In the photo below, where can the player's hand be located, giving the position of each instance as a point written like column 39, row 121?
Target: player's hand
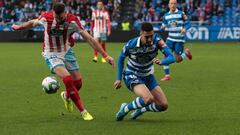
column 157, row 61
column 117, row 84
column 17, row 27
column 183, row 31
column 91, row 33
column 111, row 61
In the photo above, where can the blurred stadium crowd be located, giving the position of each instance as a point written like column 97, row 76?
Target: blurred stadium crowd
column 202, row 12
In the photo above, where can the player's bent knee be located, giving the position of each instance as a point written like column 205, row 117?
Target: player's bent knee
column 164, row 106
column 148, row 99
column 78, row 84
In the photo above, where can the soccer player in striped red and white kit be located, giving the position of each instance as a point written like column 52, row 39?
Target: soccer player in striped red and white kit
column 100, row 27
column 59, row 56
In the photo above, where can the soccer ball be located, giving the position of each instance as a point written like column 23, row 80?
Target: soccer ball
column 50, row 85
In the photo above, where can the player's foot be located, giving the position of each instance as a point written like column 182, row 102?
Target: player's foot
column 166, row 78
column 67, row 102
column 86, row 115
column 103, row 60
column 188, row 54
column 120, row 114
column 95, row 59
column 136, row 114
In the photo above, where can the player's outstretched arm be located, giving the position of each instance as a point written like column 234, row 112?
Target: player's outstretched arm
column 26, row 25
column 95, row 45
column 117, row 83
column 187, row 24
column 169, row 58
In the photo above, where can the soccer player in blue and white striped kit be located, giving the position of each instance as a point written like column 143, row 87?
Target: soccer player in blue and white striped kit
column 176, row 23
column 138, row 75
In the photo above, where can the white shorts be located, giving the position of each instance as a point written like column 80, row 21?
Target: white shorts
column 69, row 61
column 100, row 35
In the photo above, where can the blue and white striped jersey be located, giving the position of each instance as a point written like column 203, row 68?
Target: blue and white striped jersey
column 140, row 56
column 173, row 23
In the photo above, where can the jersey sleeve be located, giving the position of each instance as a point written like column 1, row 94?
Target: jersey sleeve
column 123, row 54
column 169, row 58
column 78, row 25
column 42, row 19
column 93, row 15
column 125, row 50
column 156, row 38
column 164, row 22
column 187, row 23
column 108, row 21
column 92, row 21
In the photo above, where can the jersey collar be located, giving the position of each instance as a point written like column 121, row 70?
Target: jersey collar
column 138, row 41
column 174, row 12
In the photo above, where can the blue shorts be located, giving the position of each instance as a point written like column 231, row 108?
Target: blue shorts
column 69, row 61
column 176, row 47
column 131, row 79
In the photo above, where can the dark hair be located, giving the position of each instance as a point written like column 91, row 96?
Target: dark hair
column 59, row 8
column 146, row 26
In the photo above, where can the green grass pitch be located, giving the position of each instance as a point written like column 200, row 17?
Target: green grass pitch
column 203, row 95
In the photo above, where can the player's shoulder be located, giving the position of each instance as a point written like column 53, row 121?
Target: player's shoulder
column 71, row 17
column 180, row 12
column 157, row 37
column 167, row 13
column 105, row 11
column 132, row 42
column 47, row 15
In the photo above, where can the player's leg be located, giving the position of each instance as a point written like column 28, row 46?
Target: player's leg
column 160, row 100
column 103, row 38
column 57, row 66
column 135, row 84
column 160, row 103
column 96, row 36
column 103, row 43
column 73, row 68
column 78, row 82
column 166, row 69
column 71, row 91
column 143, row 99
column 180, row 54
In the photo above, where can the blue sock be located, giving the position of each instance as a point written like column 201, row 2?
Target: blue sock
column 152, row 108
column 135, row 104
column 166, row 69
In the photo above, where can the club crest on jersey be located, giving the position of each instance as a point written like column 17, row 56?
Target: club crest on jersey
column 173, row 23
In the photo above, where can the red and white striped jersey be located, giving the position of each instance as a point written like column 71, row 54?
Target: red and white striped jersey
column 100, row 21
column 58, row 35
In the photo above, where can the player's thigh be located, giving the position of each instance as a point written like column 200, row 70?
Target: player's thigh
column 61, row 71
column 57, row 65
column 72, row 65
column 170, row 44
column 151, row 82
column 142, row 91
column 179, row 47
column 136, row 85
column 159, row 96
